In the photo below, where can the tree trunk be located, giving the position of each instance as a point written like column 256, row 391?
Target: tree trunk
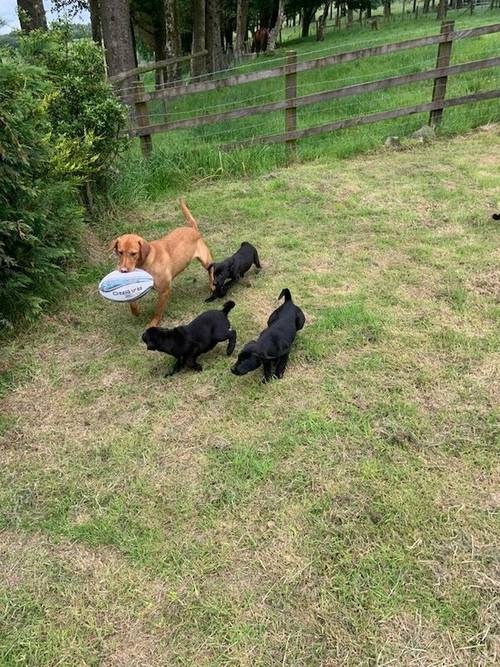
column 213, row 36
column 274, row 32
column 425, row 8
column 369, row 11
column 31, row 15
column 95, row 21
column 173, row 40
column 350, row 17
column 387, row 9
column 265, row 15
column 322, row 21
column 227, row 33
column 241, row 26
column 117, row 34
column 160, row 46
column 307, row 17
column 118, row 42
column 442, row 9
column 198, row 43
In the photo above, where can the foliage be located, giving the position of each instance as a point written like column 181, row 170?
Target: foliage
column 40, row 219
column 86, row 117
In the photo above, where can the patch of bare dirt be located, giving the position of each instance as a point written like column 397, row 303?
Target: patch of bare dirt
column 486, row 283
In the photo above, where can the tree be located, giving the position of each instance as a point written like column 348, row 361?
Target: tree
column 387, row 9
column 213, row 38
column 95, row 21
column 442, row 8
column 275, row 30
column 241, row 26
column 173, row 41
column 198, row 40
column 148, row 19
column 31, row 15
column 118, row 41
column 322, row 21
column 350, row 11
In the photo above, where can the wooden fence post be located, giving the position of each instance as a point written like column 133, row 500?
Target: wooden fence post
column 291, row 111
column 443, row 60
column 142, row 117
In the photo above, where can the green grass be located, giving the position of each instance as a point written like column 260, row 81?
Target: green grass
column 342, row 516
column 194, row 156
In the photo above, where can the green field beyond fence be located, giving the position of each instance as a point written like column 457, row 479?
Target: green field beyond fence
column 191, row 154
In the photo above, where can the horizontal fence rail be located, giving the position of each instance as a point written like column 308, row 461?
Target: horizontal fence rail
column 315, row 98
column 439, row 74
column 365, row 120
column 158, row 64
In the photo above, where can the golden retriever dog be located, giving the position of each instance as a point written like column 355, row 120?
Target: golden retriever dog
column 164, row 258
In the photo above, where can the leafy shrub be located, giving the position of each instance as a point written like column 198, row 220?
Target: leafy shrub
column 59, row 132
column 85, row 116
column 40, row 217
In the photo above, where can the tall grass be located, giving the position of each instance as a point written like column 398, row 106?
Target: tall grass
column 196, row 155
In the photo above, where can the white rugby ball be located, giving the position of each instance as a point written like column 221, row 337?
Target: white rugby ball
column 117, row 286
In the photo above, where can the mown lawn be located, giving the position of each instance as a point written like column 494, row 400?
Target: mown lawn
column 342, row 516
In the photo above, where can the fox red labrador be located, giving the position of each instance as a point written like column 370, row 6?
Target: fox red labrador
column 164, row 258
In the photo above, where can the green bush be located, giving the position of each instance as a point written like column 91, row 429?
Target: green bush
column 59, row 132
column 40, row 215
column 85, row 116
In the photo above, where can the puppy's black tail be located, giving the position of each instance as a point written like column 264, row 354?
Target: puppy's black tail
column 229, row 305
column 496, row 216
column 285, row 293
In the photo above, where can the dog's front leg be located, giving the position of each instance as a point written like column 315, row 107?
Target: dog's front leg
column 160, row 307
column 268, row 371
column 231, row 342
column 192, row 363
column 281, row 366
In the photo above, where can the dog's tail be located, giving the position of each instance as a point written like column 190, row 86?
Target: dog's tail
column 496, row 216
column 228, row 306
column 187, row 214
column 285, row 293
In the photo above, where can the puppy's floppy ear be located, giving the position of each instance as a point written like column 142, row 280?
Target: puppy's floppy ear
column 113, row 245
column 144, row 250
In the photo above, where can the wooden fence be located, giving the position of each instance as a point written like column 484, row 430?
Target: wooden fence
column 439, row 74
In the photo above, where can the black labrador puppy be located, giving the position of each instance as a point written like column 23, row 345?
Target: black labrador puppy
column 231, row 269
column 274, row 343
column 187, row 342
